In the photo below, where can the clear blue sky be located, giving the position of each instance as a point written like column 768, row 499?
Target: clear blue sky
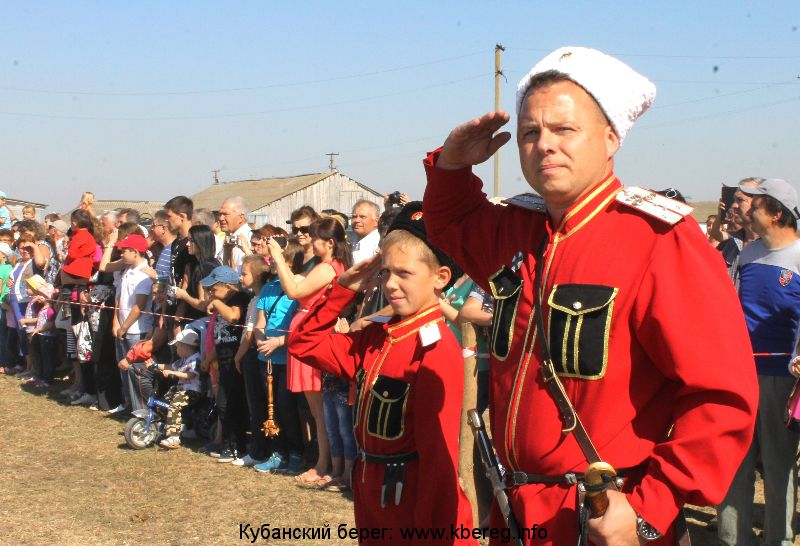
column 141, row 100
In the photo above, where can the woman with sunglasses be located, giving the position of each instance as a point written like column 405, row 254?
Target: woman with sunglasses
column 301, row 220
column 328, row 243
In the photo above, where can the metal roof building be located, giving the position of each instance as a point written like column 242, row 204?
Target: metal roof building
column 272, row 200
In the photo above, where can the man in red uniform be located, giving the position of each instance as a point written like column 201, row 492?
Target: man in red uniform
column 410, row 385
column 627, row 286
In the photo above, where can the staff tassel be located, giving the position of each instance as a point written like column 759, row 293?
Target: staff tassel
column 270, row 428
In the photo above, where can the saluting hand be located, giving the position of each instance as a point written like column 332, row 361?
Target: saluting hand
column 359, row 276
column 474, row 142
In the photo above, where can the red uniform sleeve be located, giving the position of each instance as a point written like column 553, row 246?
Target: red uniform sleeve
column 314, row 342
column 454, row 205
column 710, row 361
column 439, row 390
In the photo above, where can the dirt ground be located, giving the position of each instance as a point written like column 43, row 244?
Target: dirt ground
column 69, row 478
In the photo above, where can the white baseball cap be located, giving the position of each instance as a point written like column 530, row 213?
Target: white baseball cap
column 188, row 336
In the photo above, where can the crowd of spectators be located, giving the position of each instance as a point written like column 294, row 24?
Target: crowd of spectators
column 194, row 306
column 197, row 304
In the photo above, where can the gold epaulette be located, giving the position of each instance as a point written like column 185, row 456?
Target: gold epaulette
column 653, row 204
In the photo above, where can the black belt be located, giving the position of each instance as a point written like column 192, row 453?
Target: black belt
column 517, row 479
column 393, row 474
column 399, row 458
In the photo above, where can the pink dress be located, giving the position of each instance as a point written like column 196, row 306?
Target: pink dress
column 302, row 377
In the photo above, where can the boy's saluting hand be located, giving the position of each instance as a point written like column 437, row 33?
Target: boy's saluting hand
column 359, row 276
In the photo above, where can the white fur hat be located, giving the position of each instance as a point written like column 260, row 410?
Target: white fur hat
column 621, row 92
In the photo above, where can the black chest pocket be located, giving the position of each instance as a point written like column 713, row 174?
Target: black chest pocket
column 579, row 328
column 506, row 289
column 387, row 407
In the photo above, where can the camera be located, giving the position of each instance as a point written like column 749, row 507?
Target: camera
column 280, row 240
column 394, row 199
column 232, row 240
column 170, row 292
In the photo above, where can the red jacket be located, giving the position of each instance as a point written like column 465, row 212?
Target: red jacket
column 410, row 401
column 80, row 257
column 645, row 330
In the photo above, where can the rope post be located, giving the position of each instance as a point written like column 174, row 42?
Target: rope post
column 468, row 473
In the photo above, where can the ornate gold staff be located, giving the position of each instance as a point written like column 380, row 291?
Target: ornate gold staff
column 270, row 428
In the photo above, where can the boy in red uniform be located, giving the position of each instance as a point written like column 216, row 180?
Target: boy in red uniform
column 410, row 384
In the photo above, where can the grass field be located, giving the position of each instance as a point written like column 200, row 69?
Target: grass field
column 69, row 478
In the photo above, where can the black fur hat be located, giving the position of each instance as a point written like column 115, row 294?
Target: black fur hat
column 411, row 220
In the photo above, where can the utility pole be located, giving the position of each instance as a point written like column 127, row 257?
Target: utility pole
column 216, row 175
column 331, row 166
column 498, row 49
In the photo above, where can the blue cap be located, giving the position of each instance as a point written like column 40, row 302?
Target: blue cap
column 221, row 274
column 2, row 195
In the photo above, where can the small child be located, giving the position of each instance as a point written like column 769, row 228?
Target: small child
column 187, row 391
column 36, row 313
column 43, row 334
column 228, row 308
column 6, row 216
column 28, row 212
column 410, row 379
column 252, row 277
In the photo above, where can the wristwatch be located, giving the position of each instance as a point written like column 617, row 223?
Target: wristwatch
column 645, row 530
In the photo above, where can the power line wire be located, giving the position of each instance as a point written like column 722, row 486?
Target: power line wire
column 664, row 56
column 244, row 114
column 344, row 151
column 239, row 89
column 713, row 97
column 718, row 114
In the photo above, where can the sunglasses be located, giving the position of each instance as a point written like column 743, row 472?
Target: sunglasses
column 300, row 229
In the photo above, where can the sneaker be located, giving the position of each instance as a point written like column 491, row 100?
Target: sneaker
column 276, row 463
column 212, row 450
column 246, row 461
column 228, row 455
column 296, row 464
column 76, row 394
column 118, row 409
column 189, row 434
column 24, row 375
column 171, row 442
column 66, row 392
column 85, row 400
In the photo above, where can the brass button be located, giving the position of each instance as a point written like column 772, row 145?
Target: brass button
column 577, row 305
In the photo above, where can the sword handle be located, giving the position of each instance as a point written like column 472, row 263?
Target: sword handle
column 598, row 477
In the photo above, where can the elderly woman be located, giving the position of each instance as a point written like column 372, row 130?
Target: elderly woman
column 45, row 262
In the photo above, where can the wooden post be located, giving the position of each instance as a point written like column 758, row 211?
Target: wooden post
column 498, row 49
column 466, row 447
